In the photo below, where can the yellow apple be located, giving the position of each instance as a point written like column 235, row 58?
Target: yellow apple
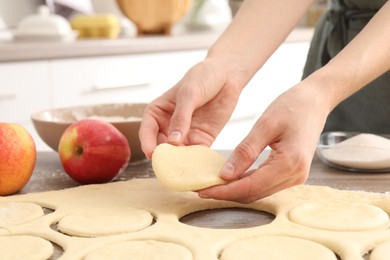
column 93, row 151
column 17, row 158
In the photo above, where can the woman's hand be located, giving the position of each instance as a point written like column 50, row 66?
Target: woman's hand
column 290, row 126
column 195, row 110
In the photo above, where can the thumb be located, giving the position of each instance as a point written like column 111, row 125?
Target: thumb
column 245, row 154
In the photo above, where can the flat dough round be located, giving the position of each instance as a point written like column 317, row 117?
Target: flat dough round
column 381, row 252
column 187, row 168
column 339, row 216
column 276, row 248
column 25, row 247
column 145, row 250
column 105, row 221
column 13, row 213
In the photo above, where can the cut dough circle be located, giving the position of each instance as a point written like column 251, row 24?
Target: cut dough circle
column 105, row 221
column 145, row 250
column 276, row 248
column 381, row 252
column 187, row 168
column 339, row 216
column 13, row 213
column 20, row 247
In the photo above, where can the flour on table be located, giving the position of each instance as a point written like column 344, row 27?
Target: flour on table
column 306, row 223
column 362, row 151
column 187, row 168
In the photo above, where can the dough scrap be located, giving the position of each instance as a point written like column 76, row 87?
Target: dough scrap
column 105, row 221
column 187, row 168
column 145, row 250
column 168, row 207
column 381, row 252
column 25, row 247
column 339, row 216
column 13, row 213
column 276, row 248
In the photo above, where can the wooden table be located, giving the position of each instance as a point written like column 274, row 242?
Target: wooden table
column 49, row 175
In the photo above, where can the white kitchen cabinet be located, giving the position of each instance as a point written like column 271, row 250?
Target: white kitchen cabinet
column 27, row 87
column 24, row 89
column 129, row 78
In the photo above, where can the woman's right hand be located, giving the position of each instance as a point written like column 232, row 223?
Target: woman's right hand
column 196, row 109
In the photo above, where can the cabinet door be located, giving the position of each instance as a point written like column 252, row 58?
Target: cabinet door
column 24, row 89
column 129, row 78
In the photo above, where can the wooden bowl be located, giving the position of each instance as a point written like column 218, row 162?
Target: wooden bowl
column 154, row 16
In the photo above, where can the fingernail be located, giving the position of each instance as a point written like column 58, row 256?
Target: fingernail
column 203, row 195
column 174, row 136
column 227, row 171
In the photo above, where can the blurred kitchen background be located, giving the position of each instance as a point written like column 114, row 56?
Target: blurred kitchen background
column 61, row 53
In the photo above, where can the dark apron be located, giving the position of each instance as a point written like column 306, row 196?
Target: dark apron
column 368, row 110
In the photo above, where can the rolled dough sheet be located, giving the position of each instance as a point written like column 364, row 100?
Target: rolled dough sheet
column 264, row 246
column 187, row 168
column 105, row 221
column 25, row 247
column 166, row 231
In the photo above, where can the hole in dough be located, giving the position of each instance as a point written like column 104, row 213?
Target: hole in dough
column 187, row 168
column 276, row 248
column 13, row 213
column 20, row 247
column 145, row 250
column 47, row 211
column 339, row 216
column 228, row 218
column 105, row 221
column 381, row 252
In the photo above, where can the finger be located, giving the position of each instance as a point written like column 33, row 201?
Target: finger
column 180, row 121
column 245, row 154
column 268, row 179
column 149, row 129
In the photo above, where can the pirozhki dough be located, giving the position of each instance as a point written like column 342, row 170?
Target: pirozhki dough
column 187, row 168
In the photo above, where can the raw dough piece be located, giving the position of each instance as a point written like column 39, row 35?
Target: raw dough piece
column 13, row 213
column 187, row 168
column 339, row 216
column 145, row 250
column 168, row 207
column 381, row 252
column 362, row 151
column 276, row 248
column 25, row 247
column 105, row 221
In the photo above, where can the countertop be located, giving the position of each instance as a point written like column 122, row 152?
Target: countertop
column 49, row 175
column 12, row 51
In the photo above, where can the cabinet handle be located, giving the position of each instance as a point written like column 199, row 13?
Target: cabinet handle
column 111, row 86
column 7, row 96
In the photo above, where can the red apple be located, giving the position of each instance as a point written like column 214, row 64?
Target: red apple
column 17, row 158
column 93, row 151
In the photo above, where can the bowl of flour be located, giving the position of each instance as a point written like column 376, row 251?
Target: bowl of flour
column 358, row 152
